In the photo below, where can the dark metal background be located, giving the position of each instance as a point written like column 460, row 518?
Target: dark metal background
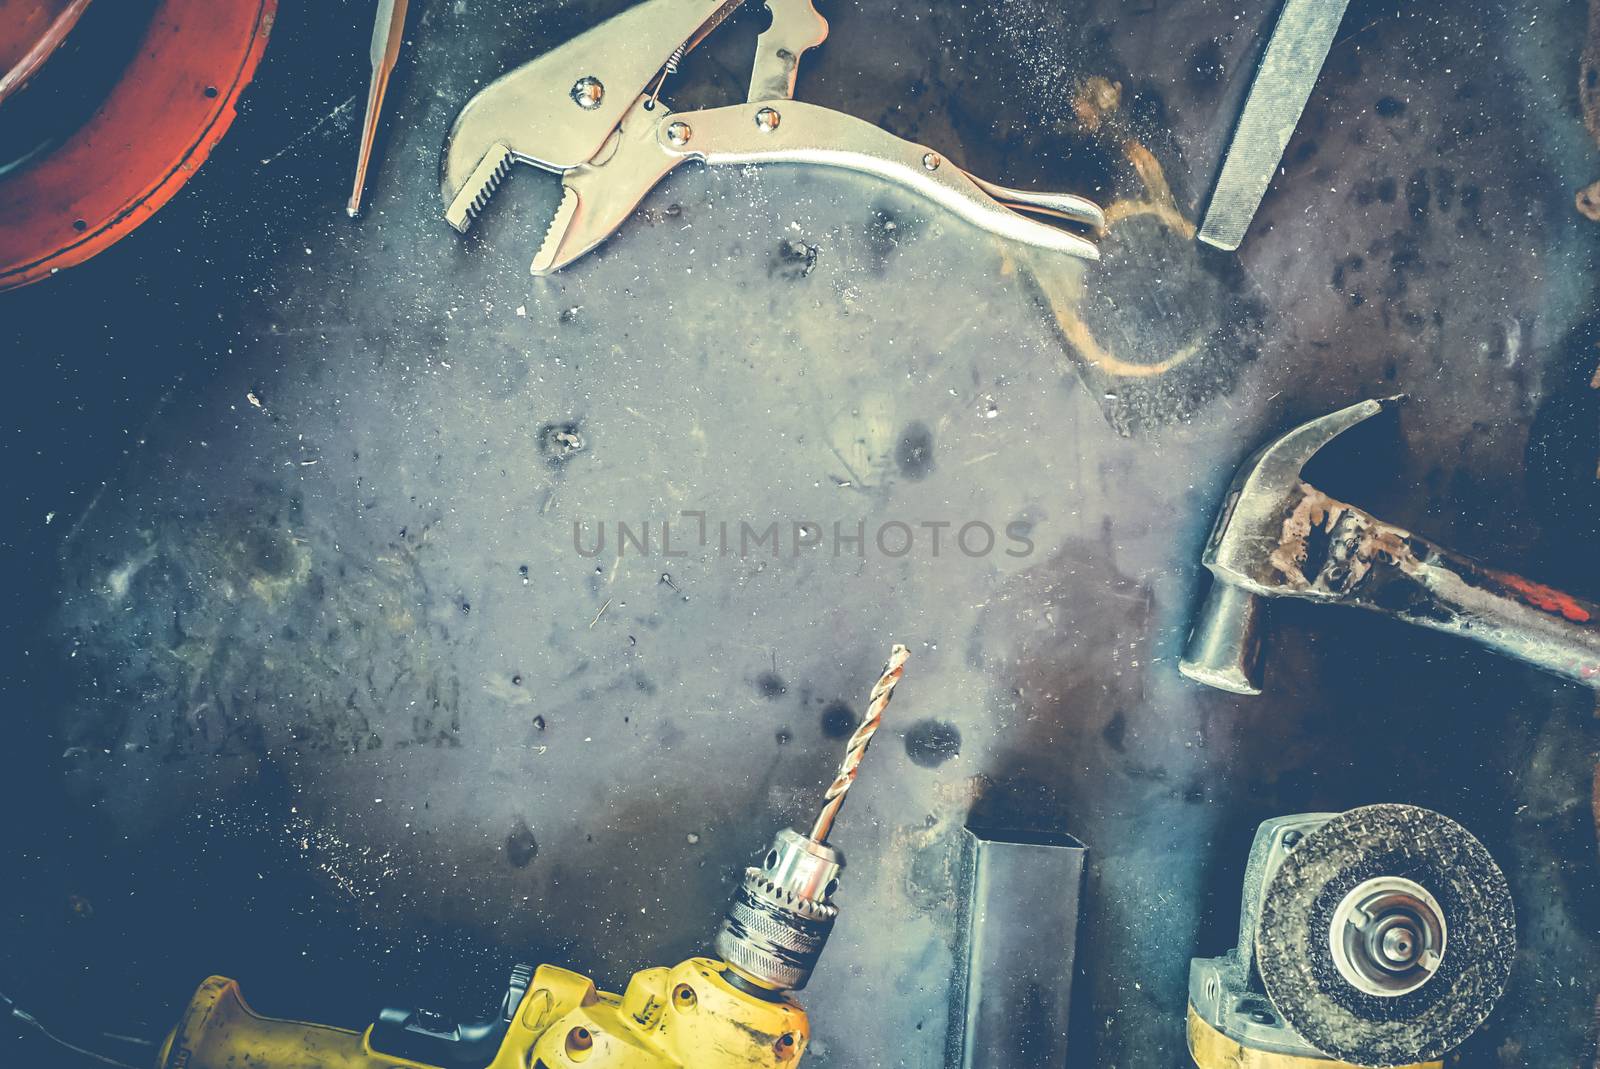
column 282, row 705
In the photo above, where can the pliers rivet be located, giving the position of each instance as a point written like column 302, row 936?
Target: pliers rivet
column 587, row 92
column 768, row 119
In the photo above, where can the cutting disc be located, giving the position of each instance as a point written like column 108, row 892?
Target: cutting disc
column 1295, row 944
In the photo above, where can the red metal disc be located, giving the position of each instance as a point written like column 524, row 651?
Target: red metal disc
column 157, row 127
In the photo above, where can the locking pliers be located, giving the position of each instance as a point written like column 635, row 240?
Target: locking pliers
column 590, row 110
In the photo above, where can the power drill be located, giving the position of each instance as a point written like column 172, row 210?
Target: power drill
column 704, row 1012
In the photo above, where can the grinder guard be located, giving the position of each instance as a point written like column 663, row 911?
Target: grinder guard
column 1378, row 937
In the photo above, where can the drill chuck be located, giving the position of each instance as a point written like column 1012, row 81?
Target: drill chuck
column 782, row 913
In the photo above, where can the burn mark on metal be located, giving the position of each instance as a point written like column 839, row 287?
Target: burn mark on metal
column 930, row 743
column 560, row 442
column 838, row 719
column 521, row 846
column 914, row 452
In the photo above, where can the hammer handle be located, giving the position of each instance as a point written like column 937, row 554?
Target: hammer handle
column 1413, row 580
column 1428, row 585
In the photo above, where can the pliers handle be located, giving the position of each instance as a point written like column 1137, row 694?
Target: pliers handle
column 598, row 196
column 590, row 110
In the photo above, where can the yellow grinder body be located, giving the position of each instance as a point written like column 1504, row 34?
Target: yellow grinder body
column 1210, row 1049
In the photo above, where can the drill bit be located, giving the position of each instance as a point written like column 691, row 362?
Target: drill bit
column 387, row 31
column 856, row 748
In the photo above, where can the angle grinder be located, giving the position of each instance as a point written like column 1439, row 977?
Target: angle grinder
column 1377, row 937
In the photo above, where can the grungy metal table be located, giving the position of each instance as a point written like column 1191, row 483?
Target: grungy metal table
column 312, row 683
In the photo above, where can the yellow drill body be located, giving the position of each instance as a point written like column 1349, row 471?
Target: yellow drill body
column 688, row 1015
column 703, row 1013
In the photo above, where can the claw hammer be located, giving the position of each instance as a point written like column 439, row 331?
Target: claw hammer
column 1278, row 536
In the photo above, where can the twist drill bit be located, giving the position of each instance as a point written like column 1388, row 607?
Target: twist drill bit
column 783, row 910
column 856, row 748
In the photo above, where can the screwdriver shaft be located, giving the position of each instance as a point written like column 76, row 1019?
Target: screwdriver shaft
column 387, row 32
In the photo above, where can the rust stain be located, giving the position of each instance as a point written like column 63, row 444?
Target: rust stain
column 1156, row 201
column 1365, row 539
column 1587, row 202
column 1095, row 100
column 917, row 856
column 1378, row 541
column 1313, row 510
column 1546, row 598
column 1084, row 341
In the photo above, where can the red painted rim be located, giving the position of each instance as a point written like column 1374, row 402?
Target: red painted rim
column 160, row 123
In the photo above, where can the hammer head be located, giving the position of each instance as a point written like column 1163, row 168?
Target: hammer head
column 1224, row 648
